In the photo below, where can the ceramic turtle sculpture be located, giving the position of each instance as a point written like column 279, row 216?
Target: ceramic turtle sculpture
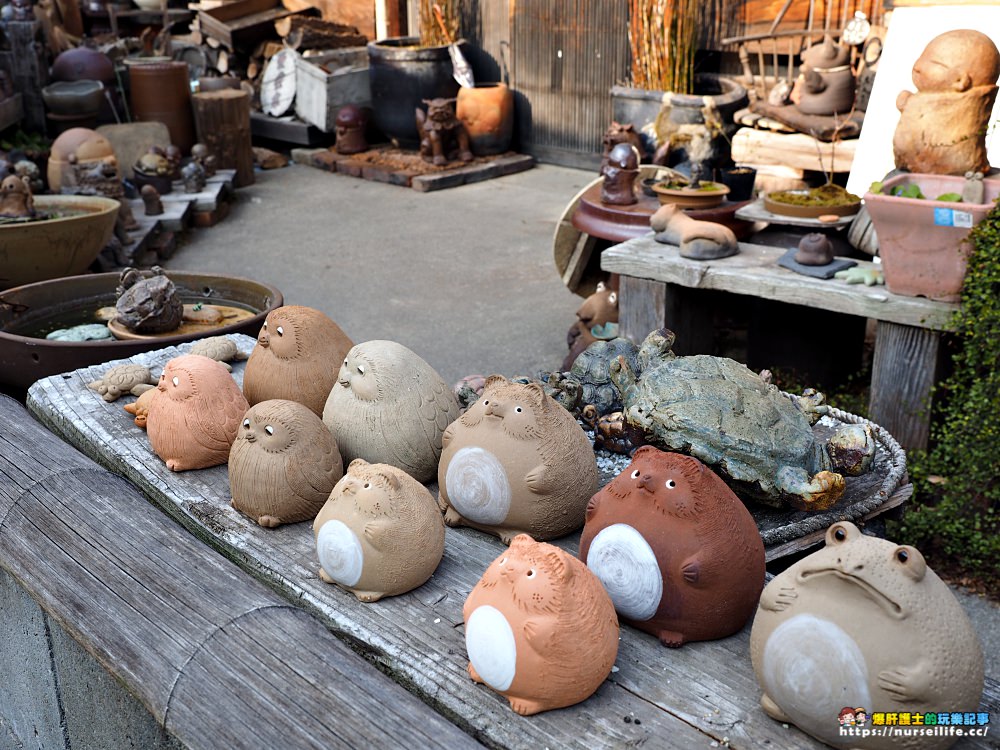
column 721, row 412
column 592, row 370
column 123, row 379
column 148, row 305
column 220, row 348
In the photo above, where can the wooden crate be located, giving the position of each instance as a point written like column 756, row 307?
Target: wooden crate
column 321, row 91
column 244, row 23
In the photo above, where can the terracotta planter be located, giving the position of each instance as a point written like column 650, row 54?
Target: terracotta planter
column 160, row 91
column 487, row 111
column 922, row 242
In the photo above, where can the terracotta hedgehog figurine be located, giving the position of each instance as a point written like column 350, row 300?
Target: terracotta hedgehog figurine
column 516, row 462
column 193, row 422
column 863, row 622
column 380, row 533
column 123, row 379
column 675, row 548
column 297, row 356
column 283, row 464
column 539, row 628
column 389, row 406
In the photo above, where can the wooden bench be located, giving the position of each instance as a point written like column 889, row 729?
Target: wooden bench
column 658, row 287
column 689, row 697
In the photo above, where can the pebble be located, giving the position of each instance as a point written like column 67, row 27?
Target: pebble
column 85, row 332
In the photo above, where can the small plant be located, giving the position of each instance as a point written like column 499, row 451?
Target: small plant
column 912, row 190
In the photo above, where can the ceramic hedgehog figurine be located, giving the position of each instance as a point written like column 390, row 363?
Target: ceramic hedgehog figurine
column 193, row 421
column 677, row 551
column 296, row 357
column 389, row 406
column 283, row 464
column 863, row 622
column 516, row 462
column 539, row 628
column 380, row 533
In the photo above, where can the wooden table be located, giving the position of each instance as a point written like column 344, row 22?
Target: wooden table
column 652, row 293
column 684, row 698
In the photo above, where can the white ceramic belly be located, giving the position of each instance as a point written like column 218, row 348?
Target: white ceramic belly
column 490, row 644
column 625, row 563
column 477, row 486
column 812, row 669
column 340, row 552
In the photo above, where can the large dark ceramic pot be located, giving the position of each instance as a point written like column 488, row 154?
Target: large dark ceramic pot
column 402, row 75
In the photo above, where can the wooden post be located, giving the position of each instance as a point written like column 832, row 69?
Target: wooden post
column 222, row 119
column 28, row 69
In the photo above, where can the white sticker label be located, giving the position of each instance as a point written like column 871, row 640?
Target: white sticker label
column 962, row 219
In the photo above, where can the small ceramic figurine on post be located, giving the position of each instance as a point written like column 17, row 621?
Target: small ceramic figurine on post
column 620, row 172
column 16, row 201
column 350, row 128
column 516, row 462
column 443, row 137
column 863, row 622
column 678, row 552
column 539, row 628
column 283, row 464
column 380, row 533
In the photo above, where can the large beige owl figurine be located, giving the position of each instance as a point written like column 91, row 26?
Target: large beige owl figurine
column 539, row 628
column 517, row 462
column 297, row 356
column 389, row 406
column 283, row 465
column 380, row 533
column 193, row 421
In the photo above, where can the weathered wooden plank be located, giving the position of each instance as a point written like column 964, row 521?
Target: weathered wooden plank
column 904, row 370
column 754, row 272
column 645, row 307
column 798, row 150
column 579, row 260
column 161, row 612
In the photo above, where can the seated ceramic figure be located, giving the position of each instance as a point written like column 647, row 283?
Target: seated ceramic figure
column 618, row 188
column 942, row 127
column 443, row 137
column 827, row 80
column 15, row 198
column 699, row 240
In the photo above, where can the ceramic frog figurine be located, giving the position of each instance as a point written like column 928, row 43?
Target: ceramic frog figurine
column 863, row 622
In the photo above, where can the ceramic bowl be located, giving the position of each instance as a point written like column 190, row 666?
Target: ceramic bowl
column 708, row 195
column 81, row 98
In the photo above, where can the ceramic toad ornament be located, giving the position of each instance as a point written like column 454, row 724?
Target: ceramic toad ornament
column 194, row 419
column 539, row 628
column 677, row 551
column 283, row 464
column 863, row 622
column 380, row 533
column 297, row 356
column 389, row 406
column 516, row 462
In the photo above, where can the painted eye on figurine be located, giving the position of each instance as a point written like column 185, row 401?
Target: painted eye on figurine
column 361, row 369
column 246, row 424
column 503, row 560
column 518, row 409
column 264, row 328
column 635, row 474
column 268, row 429
column 280, row 331
column 345, row 362
column 530, row 573
column 671, row 484
column 486, row 402
column 840, row 534
column 368, row 485
column 902, row 555
column 176, row 381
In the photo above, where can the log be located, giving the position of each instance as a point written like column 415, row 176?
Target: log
column 303, row 32
column 222, row 119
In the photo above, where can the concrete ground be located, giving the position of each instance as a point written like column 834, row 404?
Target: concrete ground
column 464, row 277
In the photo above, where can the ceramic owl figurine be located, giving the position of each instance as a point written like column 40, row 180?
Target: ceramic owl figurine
column 380, row 533
column 516, row 462
column 677, row 551
column 539, row 628
column 297, row 356
column 863, row 622
column 193, row 421
column 389, row 406
column 284, row 463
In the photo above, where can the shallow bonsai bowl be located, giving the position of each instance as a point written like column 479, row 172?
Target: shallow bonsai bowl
column 809, row 212
column 24, row 358
column 692, row 198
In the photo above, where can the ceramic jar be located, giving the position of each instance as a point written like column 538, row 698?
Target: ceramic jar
column 487, row 111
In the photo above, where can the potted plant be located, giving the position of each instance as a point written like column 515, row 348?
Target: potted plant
column 406, row 70
column 667, row 101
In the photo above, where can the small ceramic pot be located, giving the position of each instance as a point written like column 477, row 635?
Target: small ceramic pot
column 81, row 98
column 487, row 111
column 740, row 181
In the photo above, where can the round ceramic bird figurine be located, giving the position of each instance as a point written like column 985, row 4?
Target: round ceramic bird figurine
column 863, row 622
column 380, row 533
column 193, row 421
column 677, row 551
column 283, row 464
column 390, row 406
column 297, row 355
column 516, row 462
column 539, row 628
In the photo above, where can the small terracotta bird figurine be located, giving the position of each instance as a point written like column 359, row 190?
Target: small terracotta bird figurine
column 283, row 464
column 297, row 356
column 390, row 406
column 193, row 421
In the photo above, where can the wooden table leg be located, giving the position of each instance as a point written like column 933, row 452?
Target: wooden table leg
column 903, row 372
column 642, row 306
column 645, row 305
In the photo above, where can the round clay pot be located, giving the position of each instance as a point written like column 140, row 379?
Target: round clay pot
column 487, row 111
column 79, row 98
column 87, row 144
column 160, row 91
column 403, row 74
column 83, row 63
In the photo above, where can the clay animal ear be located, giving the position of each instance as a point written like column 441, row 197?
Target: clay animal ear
column 493, row 380
column 392, row 479
column 537, row 394
column 557, row 564
column 644, row 450
column 963, row 83
column 357, row 464
column 910, row 561
column 843, row 531
column 521, row 541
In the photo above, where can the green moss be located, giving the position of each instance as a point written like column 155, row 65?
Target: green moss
column 824, row 195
